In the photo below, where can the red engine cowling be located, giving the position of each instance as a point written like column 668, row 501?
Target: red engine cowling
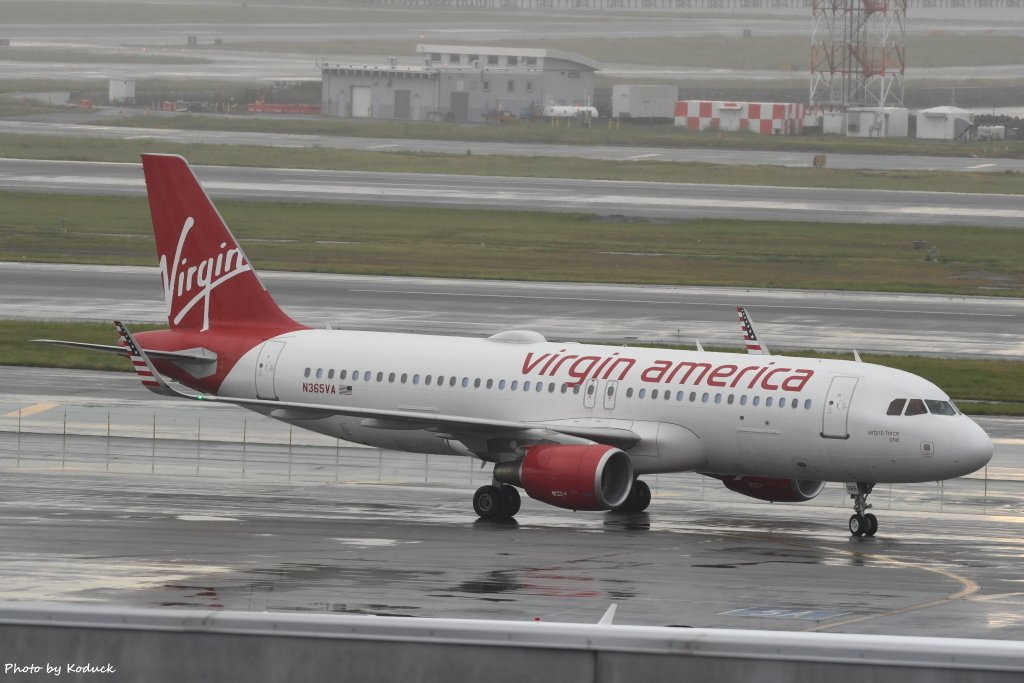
column 775, row 490
column 584, row 477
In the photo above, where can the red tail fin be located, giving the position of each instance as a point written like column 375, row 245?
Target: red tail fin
column 207, row 279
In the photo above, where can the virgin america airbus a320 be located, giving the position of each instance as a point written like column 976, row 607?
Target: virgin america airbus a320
column 573, row 425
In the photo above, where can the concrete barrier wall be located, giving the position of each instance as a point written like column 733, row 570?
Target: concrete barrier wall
column 123, row 644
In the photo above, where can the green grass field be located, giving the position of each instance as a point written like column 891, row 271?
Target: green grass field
column 524, row 245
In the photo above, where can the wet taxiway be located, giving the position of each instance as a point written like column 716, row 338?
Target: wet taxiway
column 146, row 502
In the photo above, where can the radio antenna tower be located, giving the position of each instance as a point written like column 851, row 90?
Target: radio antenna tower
column 857, row 52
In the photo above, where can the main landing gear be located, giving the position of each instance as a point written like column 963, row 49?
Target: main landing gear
column 861, row 524
column 500, row 501
column 638, row 499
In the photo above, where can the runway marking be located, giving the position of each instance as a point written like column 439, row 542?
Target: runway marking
column 967, row 588
column 381, row 147
column 977, row 166
column 31, row 410
column 639, row 157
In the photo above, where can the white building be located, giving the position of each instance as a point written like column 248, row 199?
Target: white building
column 945, row 123
column 877, row 122
column 644, row 101
column 459, row 83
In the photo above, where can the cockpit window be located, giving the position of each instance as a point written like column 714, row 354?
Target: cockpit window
column 916, row 407
column 940, row 408
column 896, row 407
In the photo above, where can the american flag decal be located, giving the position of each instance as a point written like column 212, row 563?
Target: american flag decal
column 141, row 364
column 754, row 347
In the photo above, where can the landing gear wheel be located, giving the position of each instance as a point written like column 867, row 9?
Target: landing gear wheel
column 641, row 494
column 862, row 523
column 489, row 502
column 512, row 500
column 638, row 499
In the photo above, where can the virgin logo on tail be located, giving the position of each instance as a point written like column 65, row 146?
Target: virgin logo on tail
column 185, row 284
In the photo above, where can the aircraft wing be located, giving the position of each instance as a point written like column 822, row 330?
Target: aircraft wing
column 453, row 425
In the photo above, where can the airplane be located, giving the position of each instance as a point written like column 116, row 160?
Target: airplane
column 572, row 425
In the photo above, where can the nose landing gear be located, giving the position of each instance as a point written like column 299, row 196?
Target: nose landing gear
column 862, row 523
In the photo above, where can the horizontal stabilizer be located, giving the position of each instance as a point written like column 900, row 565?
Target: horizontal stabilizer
column 195, row 356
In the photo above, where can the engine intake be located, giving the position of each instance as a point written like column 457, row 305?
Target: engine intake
column 774, row 490
column 583, row 477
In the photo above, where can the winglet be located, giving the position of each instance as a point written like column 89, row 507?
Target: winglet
column 150, row 378
column 754, row 347
column 609, row 615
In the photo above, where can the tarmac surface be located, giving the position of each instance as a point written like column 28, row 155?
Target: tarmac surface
column 111, row 496
column 90, row 125
column 652, row 200
column 881, row 322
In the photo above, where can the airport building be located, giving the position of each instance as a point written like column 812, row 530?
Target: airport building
column 459, row 83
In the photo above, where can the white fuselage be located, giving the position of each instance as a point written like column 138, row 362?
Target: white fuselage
column 718, row 413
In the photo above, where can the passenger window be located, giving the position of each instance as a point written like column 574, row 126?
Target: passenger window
column 551, row 387
column 940, row 408
column 415, row 379
column 629, row 392
column 576, row 390
column 896, row 407
column 476, row 383
column 718, row 398
column 490, row 384
column 680, row 395
column 426, row 380
column 526, row 385
column 465, row 382
column 565, row 387
column 391, row 377
column 654, row 393
column 705, row 397
column 366, row 376
column 693, row 396
column 782, row 403
column 756, row 402
column 514, row 385
column 308, row 370
column 768, row 402
column 796, row 404
column 668, row 394
column 330, row 374
column 380, row 376
column 916, row 407
column 501, row 384
column 590, row 390
column 642, row 393
column 452, row 381
column 343, row 374
column 743, row 400
column 404, row 377
column 730, row 399
column 319, row 373
column 539, row 387
column 807, row 404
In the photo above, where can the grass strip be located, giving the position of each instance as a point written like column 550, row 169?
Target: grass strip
column 539, row 246
column 989, row 387
column 646, row 170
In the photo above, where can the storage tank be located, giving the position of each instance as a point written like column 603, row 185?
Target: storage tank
column 557, row 111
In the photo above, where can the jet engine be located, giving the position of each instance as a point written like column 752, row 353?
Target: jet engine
column 774, row 490
column 576, row 477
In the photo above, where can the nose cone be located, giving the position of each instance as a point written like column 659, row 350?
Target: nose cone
column 971, row 448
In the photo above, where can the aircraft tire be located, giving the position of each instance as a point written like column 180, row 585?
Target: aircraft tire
column 489, row 502
column 513, row 501
column 858, row 525
column 872, row 523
